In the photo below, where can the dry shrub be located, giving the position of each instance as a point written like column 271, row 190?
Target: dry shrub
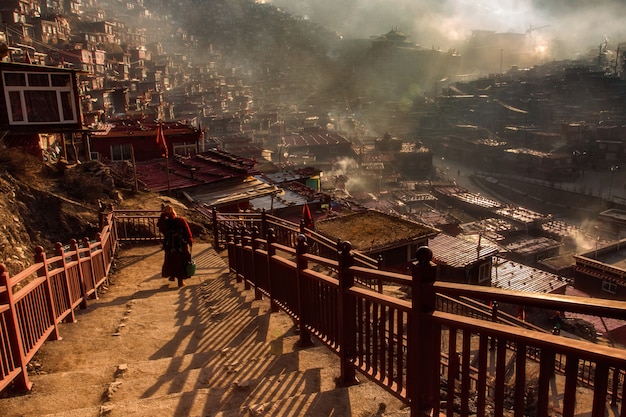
column 83, row 187
column 18, row 163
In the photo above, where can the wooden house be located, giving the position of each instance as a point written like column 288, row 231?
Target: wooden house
column 41, row 100
column 128, row 139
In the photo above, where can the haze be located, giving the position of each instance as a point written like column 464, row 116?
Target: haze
column 577, row 25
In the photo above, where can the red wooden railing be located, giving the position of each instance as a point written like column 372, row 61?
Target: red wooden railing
column 35, row 301
column 411, row 348
column 408, row 346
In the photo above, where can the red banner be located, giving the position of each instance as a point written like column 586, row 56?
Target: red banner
column 160, row 140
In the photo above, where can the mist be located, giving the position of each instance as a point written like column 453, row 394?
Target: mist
column 576, row 26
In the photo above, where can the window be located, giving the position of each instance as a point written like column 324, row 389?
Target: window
column 484, row 272
column 39, row 98
column 121, row 152
column 610, row 287
column 185, row 148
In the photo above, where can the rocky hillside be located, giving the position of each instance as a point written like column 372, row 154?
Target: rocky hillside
column 41, row 204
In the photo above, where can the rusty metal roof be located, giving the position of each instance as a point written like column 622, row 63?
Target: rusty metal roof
column 204, row 168
column 514, row 276
column 458, row 253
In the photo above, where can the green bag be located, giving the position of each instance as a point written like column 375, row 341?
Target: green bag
column 191, row 268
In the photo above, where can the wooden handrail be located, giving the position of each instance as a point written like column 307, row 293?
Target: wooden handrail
column 34, row 301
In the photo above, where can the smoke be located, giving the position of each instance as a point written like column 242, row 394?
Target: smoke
column 575, row 25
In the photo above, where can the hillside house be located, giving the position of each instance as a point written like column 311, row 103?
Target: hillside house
column 127, row 139
column 601, row 272
column 38, row 99
column 322, row 147
column 462, row 261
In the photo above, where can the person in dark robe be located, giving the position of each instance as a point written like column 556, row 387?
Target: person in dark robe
column 177, row 244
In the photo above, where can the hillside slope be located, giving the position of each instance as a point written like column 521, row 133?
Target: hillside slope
column 41, row 204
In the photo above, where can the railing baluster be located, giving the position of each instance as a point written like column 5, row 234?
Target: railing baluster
column 546, row 373
column 520, row 380
column 481, row 383
column 465, row 372
column 600, row 380
column 500, row 377
column 453, row 369
column 569, row 394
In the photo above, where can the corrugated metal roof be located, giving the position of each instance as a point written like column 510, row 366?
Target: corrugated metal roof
column 231, row 192
column 200, row 169
column 514, row 276
column 458, row 253
column 315, row 139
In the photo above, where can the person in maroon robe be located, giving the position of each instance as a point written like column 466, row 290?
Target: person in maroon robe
column 177, row 244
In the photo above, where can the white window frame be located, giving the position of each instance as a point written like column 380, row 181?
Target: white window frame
column 610, row 287
column 182, row 148
column 22, row 89
column 484, row 272
column 125, row 149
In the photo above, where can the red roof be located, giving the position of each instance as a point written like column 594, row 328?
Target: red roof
column 203, row 168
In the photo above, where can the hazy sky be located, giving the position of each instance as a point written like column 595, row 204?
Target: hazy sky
column 442, row 23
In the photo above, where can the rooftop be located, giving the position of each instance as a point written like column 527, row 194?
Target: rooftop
column 373, row 230
column 204, row 168
column 458, row 253
column 514, row 276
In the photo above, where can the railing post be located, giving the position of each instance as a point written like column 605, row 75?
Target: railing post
column 238, row 253
column 58, row 251
column 303, row 305
column 40, row 257
column 255, row 245
column 423, row 355
column 346, row 313
column 494, row 318
column 271, row 251
column 81, row 278
column 248, row 269
column 13, row 332
column 380, row 263
column 92, row 277
column 216, row 230
column 264, row 228
column 230, row 246
column 108, row 253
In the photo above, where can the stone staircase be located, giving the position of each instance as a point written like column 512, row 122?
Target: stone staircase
column 148, row 348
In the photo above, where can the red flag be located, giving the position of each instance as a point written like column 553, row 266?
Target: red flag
column 306, row 216
column 160, row 140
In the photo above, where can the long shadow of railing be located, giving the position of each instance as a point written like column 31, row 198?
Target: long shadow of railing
column 412, row 347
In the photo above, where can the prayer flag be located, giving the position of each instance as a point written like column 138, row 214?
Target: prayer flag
column 160, row 140
column 306, row 216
